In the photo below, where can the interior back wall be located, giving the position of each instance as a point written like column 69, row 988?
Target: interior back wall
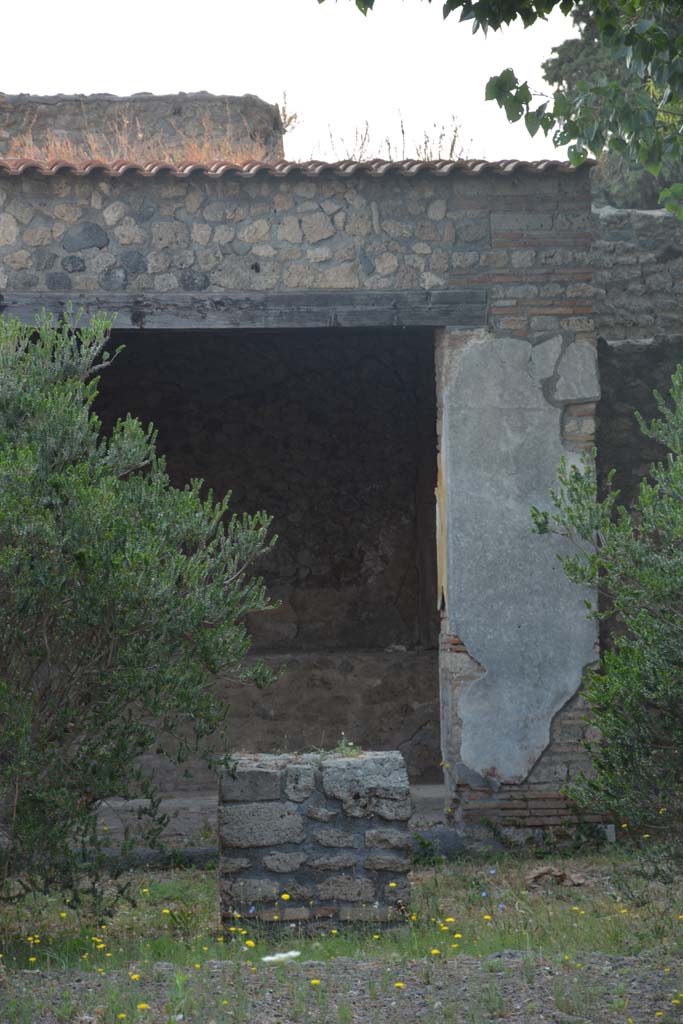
column 333, row 434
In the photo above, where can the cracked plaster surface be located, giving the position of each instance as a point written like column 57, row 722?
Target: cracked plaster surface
column 507, row 597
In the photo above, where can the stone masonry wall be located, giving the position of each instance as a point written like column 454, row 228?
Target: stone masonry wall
column 524, row 237
column 639, row 321
column 120, row 127
column 513, row 396
column 314, row 838
column 638, row 276
column 637, row 262
column 516, row 394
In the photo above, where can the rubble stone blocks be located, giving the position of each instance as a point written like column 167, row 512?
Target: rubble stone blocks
column 280, row 859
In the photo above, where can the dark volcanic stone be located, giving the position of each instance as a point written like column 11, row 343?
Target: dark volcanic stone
column 44, row 260
column 194, row 281
column 134, row 262
column 114, row 280
column 85, row 236
column 73, row 264
column 58, row 281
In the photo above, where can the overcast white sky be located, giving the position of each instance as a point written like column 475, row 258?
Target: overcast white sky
column 337, row 68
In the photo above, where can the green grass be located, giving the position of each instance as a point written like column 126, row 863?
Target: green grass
column 472, row 907
column 469, row 908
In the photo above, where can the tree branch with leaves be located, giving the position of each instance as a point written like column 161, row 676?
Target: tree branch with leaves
column 638, row 114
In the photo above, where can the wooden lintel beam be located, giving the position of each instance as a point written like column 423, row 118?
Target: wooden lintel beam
column 465, row 307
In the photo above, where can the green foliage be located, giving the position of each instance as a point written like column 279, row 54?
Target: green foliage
column 634, row 107
column 617, row 180
column 121, row 597
column 424, row 853
column 634, row 557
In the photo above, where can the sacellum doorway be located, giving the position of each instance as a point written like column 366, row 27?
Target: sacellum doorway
column 333, row 432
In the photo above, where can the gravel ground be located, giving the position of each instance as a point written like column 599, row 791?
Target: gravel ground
column 517, row 987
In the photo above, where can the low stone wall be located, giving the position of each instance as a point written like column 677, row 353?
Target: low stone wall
column 183, row 126
column 312, row 837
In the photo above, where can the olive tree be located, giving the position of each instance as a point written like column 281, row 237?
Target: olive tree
column 634, row 557
column 121, row 597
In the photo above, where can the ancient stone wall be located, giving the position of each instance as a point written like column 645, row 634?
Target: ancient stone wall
column 515, row 392
column 637, row 260
column 142, row 127
column 525, row 238
column 638, row 276
column 639, row 323
column 314, row 838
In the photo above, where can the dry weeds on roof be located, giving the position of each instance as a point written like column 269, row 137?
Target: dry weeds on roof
column 126, row 141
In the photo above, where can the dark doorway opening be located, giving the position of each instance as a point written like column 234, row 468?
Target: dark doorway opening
column 333, row 432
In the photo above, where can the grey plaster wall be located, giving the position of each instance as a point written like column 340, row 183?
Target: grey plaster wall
column 523, row 625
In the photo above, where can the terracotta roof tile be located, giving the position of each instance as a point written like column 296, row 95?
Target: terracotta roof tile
column 310, row 168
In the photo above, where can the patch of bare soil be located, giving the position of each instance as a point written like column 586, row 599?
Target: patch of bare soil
column 522, row 988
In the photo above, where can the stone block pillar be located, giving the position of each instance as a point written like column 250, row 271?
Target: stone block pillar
column 314, row 837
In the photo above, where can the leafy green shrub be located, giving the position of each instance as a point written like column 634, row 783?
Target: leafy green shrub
column 634, row 556
column 121, row 597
